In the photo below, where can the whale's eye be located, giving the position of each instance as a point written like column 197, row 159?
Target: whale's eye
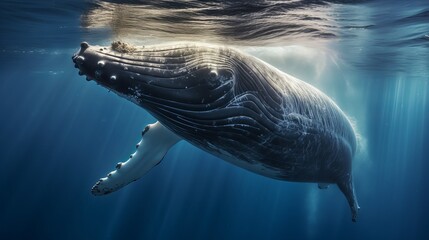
column 213, row 74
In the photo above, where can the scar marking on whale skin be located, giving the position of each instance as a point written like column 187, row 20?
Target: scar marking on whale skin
column 145, row 130
column 118, row 165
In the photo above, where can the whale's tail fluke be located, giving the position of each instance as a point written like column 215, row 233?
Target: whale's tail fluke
column 346, row 186
column 156, row 141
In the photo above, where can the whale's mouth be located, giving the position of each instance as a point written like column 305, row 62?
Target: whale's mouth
column 122, row 63
column 174, row 76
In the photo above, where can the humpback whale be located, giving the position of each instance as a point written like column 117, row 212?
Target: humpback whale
column 229, row 104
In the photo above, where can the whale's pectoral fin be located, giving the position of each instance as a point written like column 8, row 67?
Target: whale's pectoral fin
column 323, row 185
column 155, row 142
column 346, row 186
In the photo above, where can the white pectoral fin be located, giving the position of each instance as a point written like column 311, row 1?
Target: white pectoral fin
column 155, row 142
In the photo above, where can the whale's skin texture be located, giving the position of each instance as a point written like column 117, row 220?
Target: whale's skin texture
column 234, row 106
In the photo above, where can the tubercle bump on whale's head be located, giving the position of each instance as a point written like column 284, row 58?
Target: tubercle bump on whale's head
column 92, row 61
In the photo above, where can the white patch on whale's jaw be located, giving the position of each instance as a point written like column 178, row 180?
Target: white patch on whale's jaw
column 155, row 142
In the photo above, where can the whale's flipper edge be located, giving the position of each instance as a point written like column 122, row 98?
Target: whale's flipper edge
column 156, row 141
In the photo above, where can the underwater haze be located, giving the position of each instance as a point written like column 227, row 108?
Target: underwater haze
column 59, row 133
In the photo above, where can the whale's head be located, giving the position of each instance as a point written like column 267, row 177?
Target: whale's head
column 160, row 77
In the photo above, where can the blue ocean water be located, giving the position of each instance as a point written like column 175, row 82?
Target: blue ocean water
column 59, row 133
